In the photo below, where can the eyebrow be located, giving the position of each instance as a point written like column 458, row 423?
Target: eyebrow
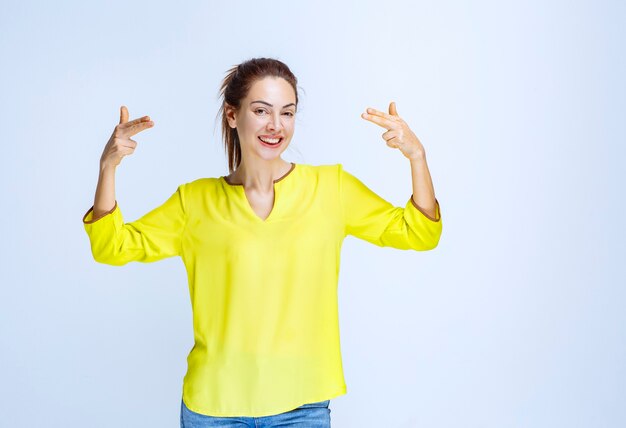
column 268, row 104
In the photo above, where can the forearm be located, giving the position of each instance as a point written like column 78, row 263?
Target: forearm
column 104, row 199
column 423, row 190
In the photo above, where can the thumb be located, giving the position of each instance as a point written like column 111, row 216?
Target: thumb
column 392, row 108
column 123, row 114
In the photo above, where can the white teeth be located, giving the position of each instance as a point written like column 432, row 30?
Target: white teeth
column 270, row 141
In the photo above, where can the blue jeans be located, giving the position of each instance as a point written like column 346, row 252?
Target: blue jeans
column 311, row 415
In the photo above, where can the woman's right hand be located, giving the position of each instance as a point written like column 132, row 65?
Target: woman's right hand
column 120, row 144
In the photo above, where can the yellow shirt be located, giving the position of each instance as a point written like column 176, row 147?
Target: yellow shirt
column 263, row 292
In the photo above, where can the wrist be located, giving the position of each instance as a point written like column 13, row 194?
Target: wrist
column 419, row 156
column 107, row 169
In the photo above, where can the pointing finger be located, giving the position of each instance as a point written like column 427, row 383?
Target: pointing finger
column 134, row 122
column 375, row 112
column 137, row 127
column 379, row 119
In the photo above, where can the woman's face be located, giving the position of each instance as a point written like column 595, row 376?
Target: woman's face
column 268, row 111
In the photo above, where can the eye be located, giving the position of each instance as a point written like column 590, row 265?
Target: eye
column 259, row 109
column 289, row 113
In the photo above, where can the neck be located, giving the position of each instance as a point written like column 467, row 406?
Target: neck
column 260, row 174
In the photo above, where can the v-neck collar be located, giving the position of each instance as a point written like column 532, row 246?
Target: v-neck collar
column 240, row 188
column 293, row 166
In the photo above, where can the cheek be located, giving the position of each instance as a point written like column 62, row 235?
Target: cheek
column 289, row 126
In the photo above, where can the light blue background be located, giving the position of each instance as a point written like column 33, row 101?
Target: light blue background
column 515, row 320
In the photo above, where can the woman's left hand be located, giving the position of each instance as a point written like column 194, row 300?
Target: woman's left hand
column 398, row 135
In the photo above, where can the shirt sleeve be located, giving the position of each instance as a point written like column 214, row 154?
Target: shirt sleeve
column 369, row 217
column 155, row 236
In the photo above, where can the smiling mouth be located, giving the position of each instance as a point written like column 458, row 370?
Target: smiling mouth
column 266, row 143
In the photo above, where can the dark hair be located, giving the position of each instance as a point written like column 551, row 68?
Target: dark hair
column 235, row 87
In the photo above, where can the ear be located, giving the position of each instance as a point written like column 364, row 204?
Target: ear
column 231, row 115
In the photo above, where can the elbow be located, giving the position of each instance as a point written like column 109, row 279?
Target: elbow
column 107, row 257
column 435, row 241
column 425, row 247
column 110, row 261
column 433, row 246
column 108, row 250
column 429, row 243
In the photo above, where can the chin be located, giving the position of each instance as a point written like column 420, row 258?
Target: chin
column 270, row 156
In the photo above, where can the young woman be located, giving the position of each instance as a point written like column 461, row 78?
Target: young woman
column 261, row 247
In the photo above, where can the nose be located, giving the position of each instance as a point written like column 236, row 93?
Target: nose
column 274, row 123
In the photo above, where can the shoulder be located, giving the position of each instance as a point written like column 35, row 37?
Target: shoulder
column 201, row 182
column 197, row 187
column 325, row 175
column 198, row 183
column 322, row 169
